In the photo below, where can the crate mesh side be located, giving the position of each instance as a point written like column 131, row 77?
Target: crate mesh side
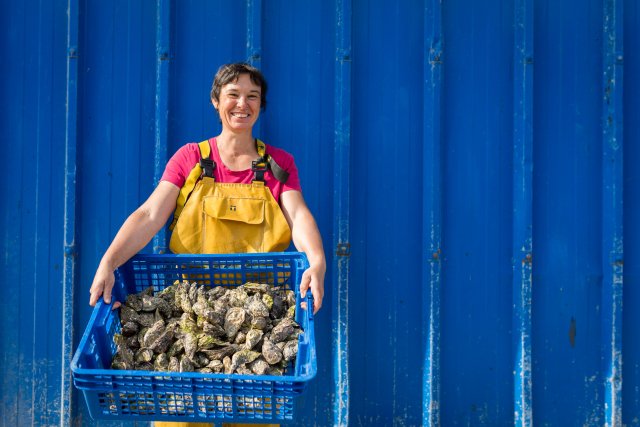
column 216, row 405
column 225, row 272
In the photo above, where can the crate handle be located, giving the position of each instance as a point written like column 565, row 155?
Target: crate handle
column 309, row 299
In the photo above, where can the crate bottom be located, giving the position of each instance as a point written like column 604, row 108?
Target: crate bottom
column 176, row 406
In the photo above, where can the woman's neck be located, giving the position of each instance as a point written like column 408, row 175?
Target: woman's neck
column 236, row 151
column 236, row 144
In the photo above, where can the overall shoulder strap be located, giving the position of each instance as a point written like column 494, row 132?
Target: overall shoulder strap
column 260, row 165
column 204, row 167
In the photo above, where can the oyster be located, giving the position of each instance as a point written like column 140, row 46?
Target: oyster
column 221, row 353
column 253, row 337
column 258, row 322
column 186, row 365
column 253, row 288
column 130, row 328
column 176, row 348
column 240, row 338
column 283, row 330
column 153, row 333
column 190, row 344
column 163, row 342
column 259, row 366
column 272, row 354
column 254, row 306
column 216, row 366
column 174, row 365
column 161, row 363
column 240, row 358
column 237, row 297
column 233, row 321
column 267, row 300
column 144, row 355
column 290, row 350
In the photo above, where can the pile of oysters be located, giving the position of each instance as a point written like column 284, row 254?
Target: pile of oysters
column 248, row 329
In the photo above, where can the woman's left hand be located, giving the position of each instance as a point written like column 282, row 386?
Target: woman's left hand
column 313, row 278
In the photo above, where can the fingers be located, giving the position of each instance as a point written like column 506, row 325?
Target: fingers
column 309, row 280
column 107, row 293
column 96, row 291
column 102, row 286
column 305, row 283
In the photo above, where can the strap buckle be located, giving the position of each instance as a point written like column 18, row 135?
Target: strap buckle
column 259, row 167
column 208, row 166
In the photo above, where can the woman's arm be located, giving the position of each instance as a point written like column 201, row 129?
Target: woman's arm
column 306, row 238
column 135, row 233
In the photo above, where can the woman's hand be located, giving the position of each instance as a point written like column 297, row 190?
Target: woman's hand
column 102, row 285
column 313, row 278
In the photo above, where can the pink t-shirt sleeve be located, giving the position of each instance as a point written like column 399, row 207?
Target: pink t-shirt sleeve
column 180, row 164
column 286, row 162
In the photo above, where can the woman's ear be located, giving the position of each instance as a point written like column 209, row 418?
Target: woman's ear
column 214, row 103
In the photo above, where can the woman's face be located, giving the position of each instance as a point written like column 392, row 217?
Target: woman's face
column 239, row 105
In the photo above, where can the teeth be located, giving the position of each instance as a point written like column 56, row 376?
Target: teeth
column 241, row 116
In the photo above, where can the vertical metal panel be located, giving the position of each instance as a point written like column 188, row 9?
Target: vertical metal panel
column 32, row 119
column 631, row 203
column 385, row 227
column 612, row 232
column 163, row 56
column 116, row 134
column 298, row 59
column 432, row 212
column 477, row 297
column 567, row 226
column 69, row 275
column 341, row 247
column 522, row 209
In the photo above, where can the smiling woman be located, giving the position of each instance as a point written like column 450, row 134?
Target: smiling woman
column 228, row 194
column 234, row 165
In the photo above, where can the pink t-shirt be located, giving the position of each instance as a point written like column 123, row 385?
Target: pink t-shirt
column 183, row 161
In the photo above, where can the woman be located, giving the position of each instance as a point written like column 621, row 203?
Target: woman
column 217, row 190
column 238, row 94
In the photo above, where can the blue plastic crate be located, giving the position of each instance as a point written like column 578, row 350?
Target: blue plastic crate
column 172, row 396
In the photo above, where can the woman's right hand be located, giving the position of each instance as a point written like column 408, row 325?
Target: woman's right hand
column 102, row 285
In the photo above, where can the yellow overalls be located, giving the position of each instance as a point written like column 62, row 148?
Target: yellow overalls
column 218, row 217
column 213, row 217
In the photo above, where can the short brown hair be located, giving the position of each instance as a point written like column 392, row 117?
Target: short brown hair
column 229, row 73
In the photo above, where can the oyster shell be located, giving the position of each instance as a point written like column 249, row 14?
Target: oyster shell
column 272, row 354
column 233, row 321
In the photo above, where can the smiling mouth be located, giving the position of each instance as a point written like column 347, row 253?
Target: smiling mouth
column 240, row 115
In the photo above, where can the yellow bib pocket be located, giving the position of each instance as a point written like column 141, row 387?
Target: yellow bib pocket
column 233, row 224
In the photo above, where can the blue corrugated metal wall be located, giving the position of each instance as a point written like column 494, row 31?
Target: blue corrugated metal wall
column 471, row 166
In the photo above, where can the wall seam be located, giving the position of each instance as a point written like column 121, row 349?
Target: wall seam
column 432, row 211
column 163, row 56
column 70, row 210
column 522, row 225
column 612, row 215
column 341, row 211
